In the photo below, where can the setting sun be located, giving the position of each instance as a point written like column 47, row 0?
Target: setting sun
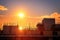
column 21, row 15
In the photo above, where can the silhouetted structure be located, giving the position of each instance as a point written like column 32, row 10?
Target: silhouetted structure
column 10, row 29
column 40, row 28
column 48, row 22
column 0, row 32
column 56, row 29
column 45, row 29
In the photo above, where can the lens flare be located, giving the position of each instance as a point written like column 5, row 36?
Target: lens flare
column 20, row 28
column 21, row 15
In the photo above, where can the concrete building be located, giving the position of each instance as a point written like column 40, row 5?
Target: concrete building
column 48, row 22
column 40, row 28
column 56, row 29
column 10, row 29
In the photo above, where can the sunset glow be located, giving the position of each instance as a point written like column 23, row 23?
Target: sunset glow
column 20, row 28
column 29, row 19
column 28, row 13
column 21, row 15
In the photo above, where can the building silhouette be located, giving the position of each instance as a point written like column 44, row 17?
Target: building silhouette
column 48, row 22
column 56, row 29
column 10, row 29
column 40, row 28
column 47, row 29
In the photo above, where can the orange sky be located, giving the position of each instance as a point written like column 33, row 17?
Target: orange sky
column 27, row 20
column 32, row 21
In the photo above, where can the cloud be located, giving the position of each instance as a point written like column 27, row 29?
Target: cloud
column 55, row 15
column 3, row 8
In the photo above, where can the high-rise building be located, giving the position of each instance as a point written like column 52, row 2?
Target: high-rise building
column 48, row 22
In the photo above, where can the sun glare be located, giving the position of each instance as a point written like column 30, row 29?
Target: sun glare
column 21, row 15
column 20, row 28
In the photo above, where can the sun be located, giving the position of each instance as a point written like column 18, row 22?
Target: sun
column 21, row 15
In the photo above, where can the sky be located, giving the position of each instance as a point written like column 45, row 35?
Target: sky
column 33, row 8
